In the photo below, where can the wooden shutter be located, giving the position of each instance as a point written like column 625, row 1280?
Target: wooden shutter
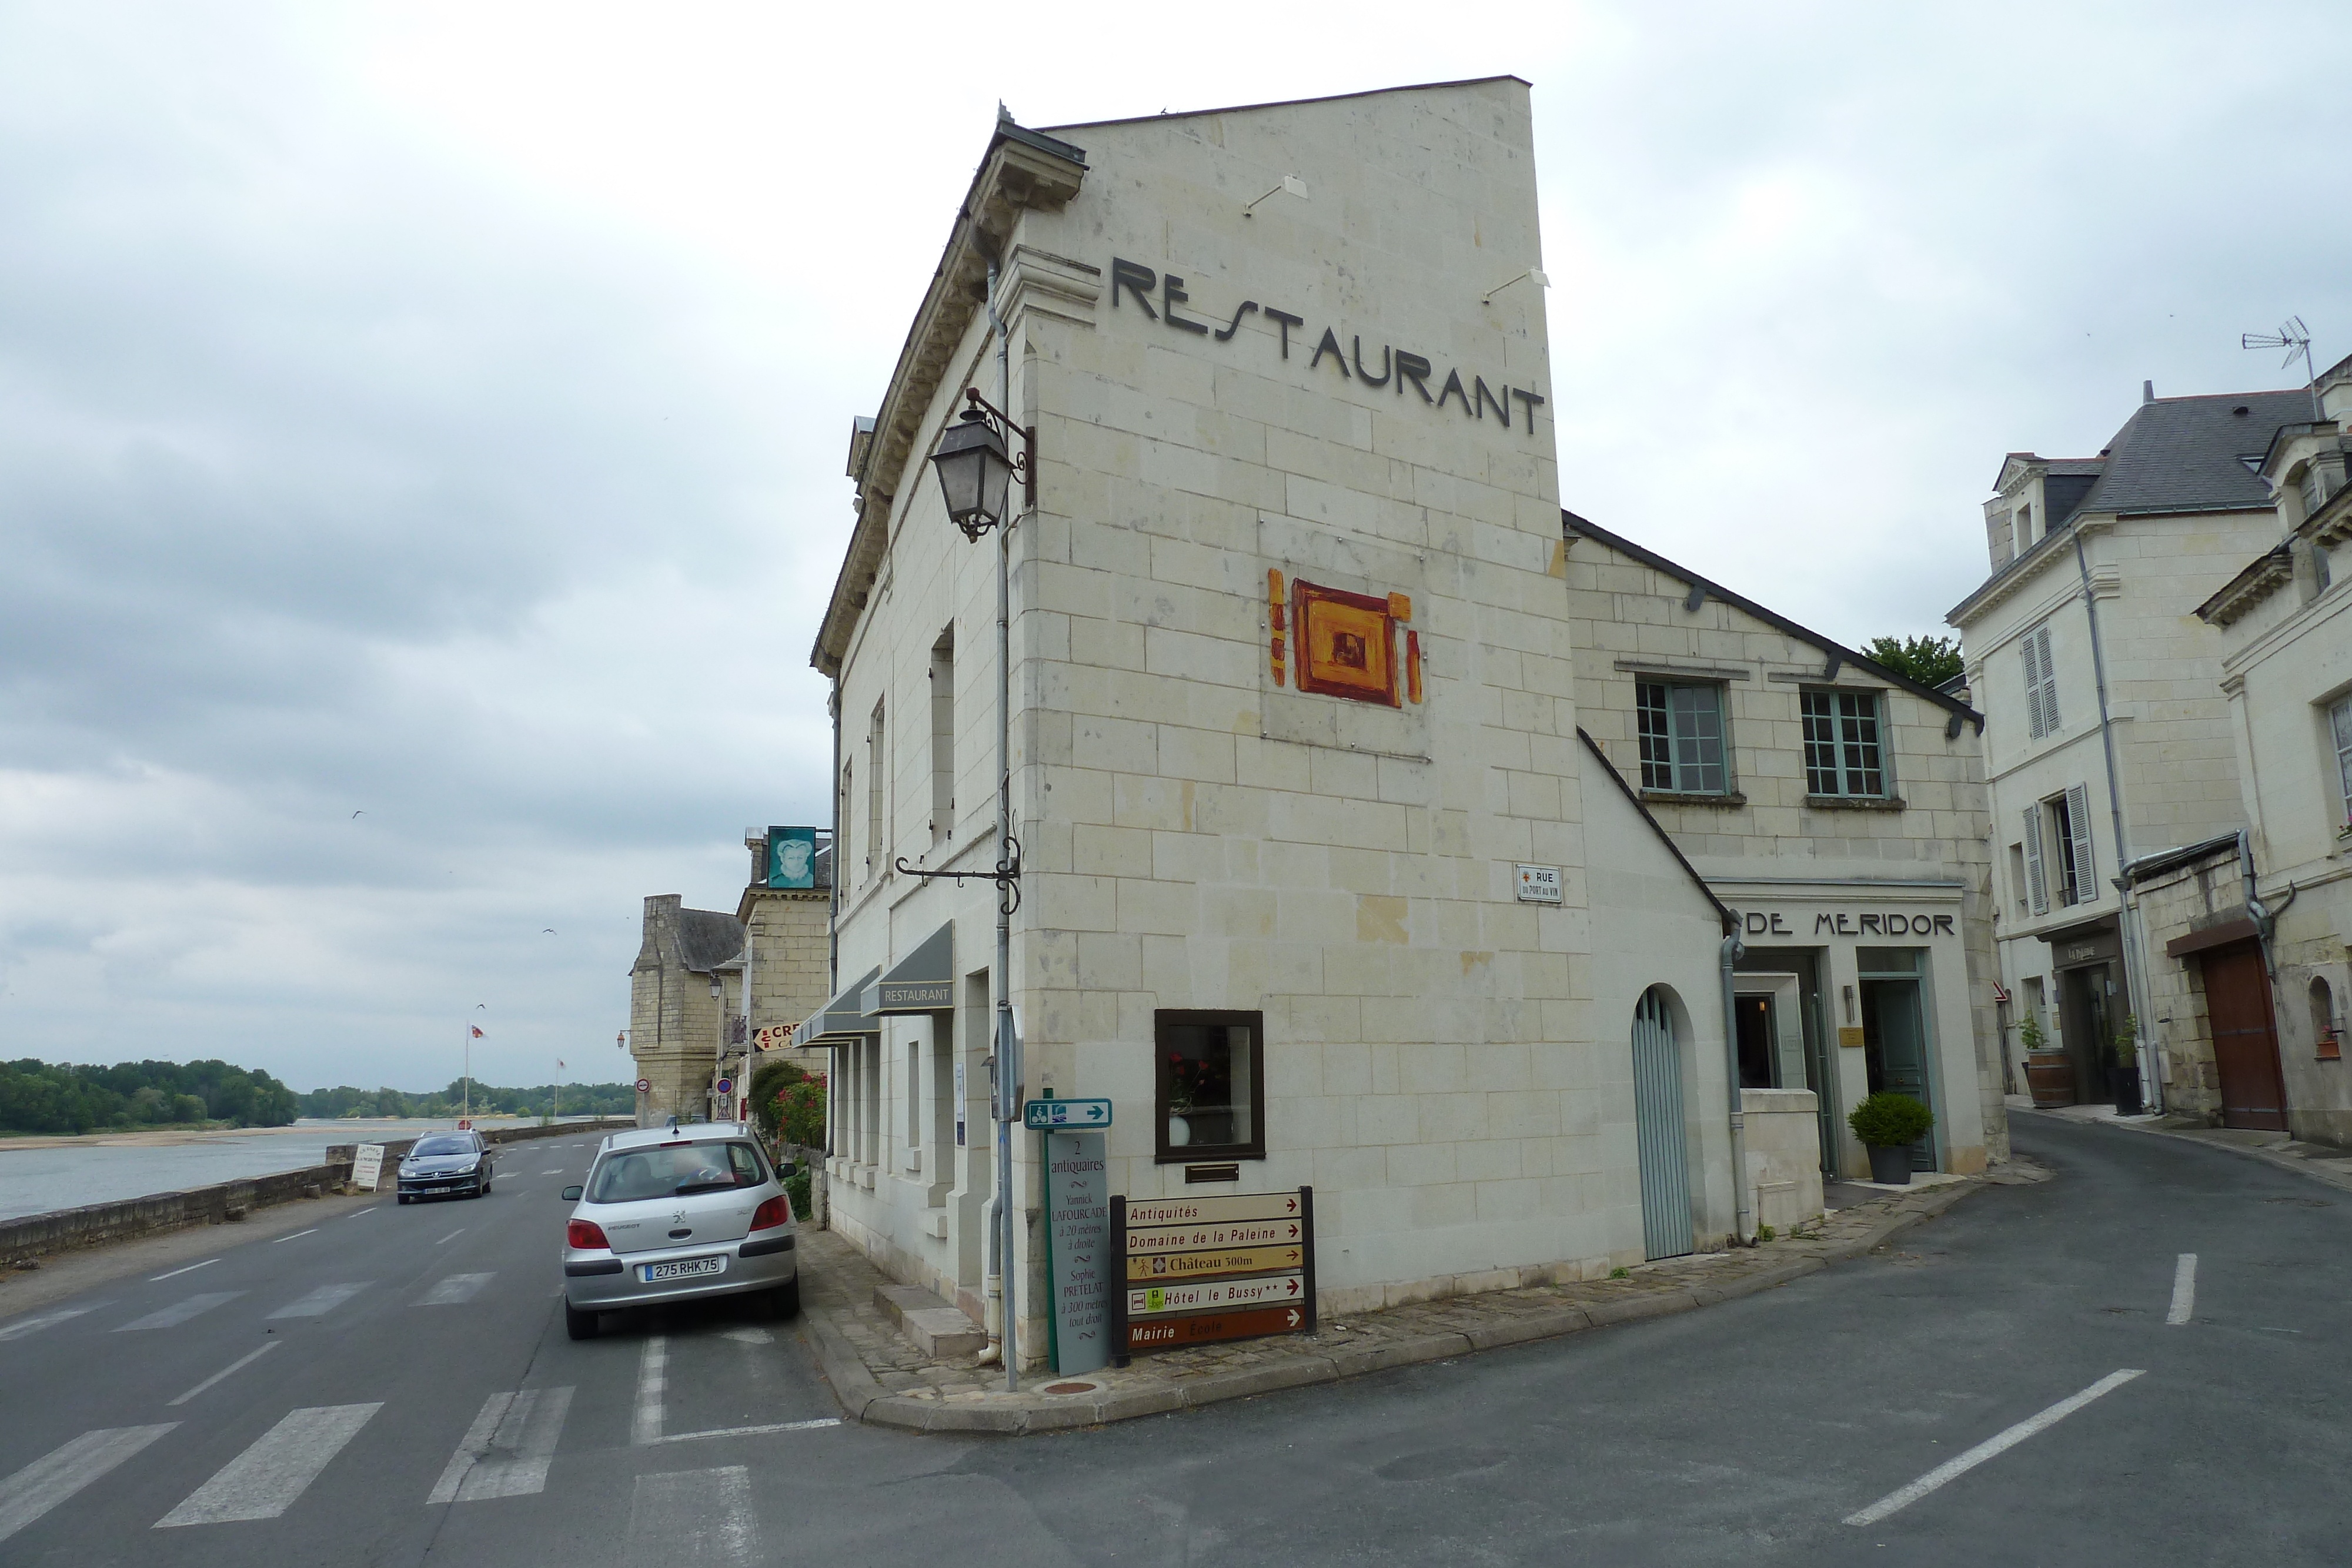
column 2037, row 886
column 2049, row 682
column 2034, row 726
column 2078, row 812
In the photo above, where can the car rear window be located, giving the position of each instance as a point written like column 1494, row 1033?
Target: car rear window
column 675, row 1170
column 445, row 1145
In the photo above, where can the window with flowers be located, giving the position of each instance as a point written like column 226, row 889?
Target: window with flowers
column 1211, row 1086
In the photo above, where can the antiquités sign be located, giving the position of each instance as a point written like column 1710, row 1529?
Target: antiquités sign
column 1399, row 367
column 1205, row 1269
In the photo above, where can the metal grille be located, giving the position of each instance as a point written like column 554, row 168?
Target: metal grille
column 1658, row 1129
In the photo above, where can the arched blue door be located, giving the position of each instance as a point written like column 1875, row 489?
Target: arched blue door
column 1658, row 1129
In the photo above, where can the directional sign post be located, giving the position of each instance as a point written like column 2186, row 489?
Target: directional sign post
column 1200, row 1270
column 1078, row 1257
column 1065, row 1115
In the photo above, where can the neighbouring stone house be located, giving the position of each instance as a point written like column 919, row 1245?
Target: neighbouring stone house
column 677, row 1008
column 1840, row 809
column 2109, row 738
column 2252, row 926
column 1321, row 883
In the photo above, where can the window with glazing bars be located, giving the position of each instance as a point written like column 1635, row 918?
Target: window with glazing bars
column 1842, row 754
column 2339, row 722
column 1681, row 728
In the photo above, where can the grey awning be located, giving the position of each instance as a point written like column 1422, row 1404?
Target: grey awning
column 842, row 1019
column 921, row 982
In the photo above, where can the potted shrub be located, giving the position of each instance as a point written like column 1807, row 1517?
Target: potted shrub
column 2048, row 1074
column 1888, row 1124
column 2124, row 1076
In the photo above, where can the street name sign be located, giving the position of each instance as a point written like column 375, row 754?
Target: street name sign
column 1078, row 1255
column 1072, row 1115
column 367, row 1166
column 1214, row 1264
column 1204, row 1328
column 1269, row 1290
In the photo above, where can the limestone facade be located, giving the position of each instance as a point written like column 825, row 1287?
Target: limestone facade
column 1837, row 880
column 1264, row 350
column 675, row 1013
column 2284, row 622
column 2131, row 541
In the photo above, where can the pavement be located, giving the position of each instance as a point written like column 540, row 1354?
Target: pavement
column 884, row 1378
column 2145, row 1358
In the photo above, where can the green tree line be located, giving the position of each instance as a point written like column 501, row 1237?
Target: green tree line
column 487, row 1099
column 58, row 1097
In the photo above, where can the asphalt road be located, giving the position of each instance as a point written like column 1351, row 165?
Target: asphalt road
column 436, row 1412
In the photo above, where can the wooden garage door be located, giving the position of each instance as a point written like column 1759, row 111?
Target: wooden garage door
column 2245, row 1039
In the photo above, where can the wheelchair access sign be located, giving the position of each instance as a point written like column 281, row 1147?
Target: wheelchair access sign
column 1065, row 1115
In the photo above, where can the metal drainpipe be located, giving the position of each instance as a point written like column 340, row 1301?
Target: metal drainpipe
column 1731, row 952
column 1008, row 1047
column 2126, row 942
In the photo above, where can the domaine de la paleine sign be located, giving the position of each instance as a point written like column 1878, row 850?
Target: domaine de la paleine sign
column 1400, row 366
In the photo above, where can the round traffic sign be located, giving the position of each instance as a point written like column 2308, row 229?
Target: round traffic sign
column 727, row 1086
column 645, row 1085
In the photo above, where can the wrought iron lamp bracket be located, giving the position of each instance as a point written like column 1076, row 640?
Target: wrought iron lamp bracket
column 1007, row 875
column 1025, row 461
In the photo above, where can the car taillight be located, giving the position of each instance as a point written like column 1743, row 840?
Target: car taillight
column 583, row 1234
column 777, row 1210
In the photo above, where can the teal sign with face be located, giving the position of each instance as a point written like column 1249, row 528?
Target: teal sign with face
column 791, row 857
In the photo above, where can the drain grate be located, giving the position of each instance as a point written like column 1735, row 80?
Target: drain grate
column 1070, row 1388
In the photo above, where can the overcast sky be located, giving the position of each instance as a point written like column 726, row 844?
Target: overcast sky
column 421, row 429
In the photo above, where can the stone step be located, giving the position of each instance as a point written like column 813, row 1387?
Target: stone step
column 938, row 1329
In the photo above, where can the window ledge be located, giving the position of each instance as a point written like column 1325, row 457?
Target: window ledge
column 1681, row 798
column 1854, row 802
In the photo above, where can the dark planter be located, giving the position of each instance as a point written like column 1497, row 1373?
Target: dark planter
column 2125, row 1080
column 1891, row 1166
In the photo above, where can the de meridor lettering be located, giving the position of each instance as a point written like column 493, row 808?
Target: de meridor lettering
column 1844, row 923
column 1398, row 366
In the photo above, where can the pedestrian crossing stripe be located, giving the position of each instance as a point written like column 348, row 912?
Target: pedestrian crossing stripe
column 50, row 1479
column 276, row 1468
column 507, row 1450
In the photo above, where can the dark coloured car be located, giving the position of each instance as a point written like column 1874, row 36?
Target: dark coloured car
column 445, row 1164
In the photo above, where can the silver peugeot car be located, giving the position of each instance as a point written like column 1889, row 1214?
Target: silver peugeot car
column 444, row 1165
column 673, row 1214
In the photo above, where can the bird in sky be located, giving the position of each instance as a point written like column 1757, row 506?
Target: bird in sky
column 355, row 815
column 547, row 930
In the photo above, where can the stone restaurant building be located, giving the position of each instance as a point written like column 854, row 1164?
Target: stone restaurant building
column 1321, row 882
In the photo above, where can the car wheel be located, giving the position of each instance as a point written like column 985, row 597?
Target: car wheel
column 577, row 1323
column 785, row 1301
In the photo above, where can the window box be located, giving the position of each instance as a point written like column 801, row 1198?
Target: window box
column 1855, row 803
column 1210, row 1085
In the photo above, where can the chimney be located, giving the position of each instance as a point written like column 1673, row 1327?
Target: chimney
column 2147, row 391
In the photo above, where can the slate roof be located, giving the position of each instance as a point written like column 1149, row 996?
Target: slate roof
column 706, row 937
column 2182, row 453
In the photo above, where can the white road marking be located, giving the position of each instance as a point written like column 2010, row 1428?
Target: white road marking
column 557, row 1171
column 178, row 1312
column 371, row 1209
column 506, row 1449
column 265, row 1480
column 175, row 1273
column 296, row 1237
column 239, row 1364
column 1905, row 1497
column 2184, row 1290
column 750, row 1336
column 321, row 1301
column 691, row 1518
column 452, row 1236
column 455, row 1289
column 24, row 1326
column 63, row 1471
column 751, row 1431
column 652, row 1383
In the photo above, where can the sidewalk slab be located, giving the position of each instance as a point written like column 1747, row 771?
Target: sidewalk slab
column 888, row 1369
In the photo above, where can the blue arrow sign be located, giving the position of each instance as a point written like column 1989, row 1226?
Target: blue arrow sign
column 1048, row 1114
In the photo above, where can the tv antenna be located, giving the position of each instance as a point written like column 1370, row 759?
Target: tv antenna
column 2295, row 338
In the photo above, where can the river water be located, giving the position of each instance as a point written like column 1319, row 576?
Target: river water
column 37, row 1180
